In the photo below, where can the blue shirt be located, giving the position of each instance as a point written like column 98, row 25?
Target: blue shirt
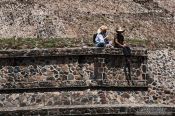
column 99, row 38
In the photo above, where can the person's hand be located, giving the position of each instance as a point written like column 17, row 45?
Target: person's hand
column 107, row 45
column 124, row 45
column 106, row 36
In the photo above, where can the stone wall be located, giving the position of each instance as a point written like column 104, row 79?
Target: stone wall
column 69, row 78
column 161, row 65
column 64, row 81
column 142, row 19
column 70, row 68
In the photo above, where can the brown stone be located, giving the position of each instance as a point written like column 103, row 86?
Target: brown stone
column 39, row 78
column 65, row 68
column 167, row 91
column 91, row 67
column 70, row 77
column 152, row 92
column 75, row 72
column 78, row 77
column 120, row 77
column 3, row 80
column 125, row 95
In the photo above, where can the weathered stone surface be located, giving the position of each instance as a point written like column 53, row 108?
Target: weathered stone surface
column 86, row 97
column 161, row 65
column 160, row 86
column 68, row 52
column 92, row 110
column 152, row 20
column 60, row 68
column 146, row 19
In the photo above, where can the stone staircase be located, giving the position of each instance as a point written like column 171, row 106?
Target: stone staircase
column 69, row 81
column 77, row 81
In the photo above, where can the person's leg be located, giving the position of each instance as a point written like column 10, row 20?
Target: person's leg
column 100, row 45
column 127, row 54
column 128, row 65
column 127, row 51
column 126, row 74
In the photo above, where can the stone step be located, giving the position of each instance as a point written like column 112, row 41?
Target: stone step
column 58, row 81
column 35, row 85
column 151, row 5
column 72, row 97
column 116, row 109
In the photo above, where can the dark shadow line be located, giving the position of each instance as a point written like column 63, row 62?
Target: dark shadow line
column 103, row 88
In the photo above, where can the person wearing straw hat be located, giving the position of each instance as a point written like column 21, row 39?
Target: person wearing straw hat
column 101, row 38
column 119, row 38
column 120, row 43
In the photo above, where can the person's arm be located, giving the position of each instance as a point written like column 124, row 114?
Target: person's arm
column 120, row 44
column 125, row 44
column 106, row 36
column 115, row 40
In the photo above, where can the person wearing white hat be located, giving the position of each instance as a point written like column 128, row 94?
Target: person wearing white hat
column 100, row 40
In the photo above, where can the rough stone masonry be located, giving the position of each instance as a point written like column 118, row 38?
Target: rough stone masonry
column 85, row 81
column 70, row 67
column 143, row 19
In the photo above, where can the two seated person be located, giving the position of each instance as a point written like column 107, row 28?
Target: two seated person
column 102, row 35
column 102, row 41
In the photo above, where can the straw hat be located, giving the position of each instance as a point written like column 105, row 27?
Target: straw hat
column 120, row 30
column 102, row 28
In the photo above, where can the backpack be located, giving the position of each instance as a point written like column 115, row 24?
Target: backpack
column 94, row 36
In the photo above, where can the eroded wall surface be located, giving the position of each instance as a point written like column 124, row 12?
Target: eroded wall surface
column 59, row 84
column 142, row 19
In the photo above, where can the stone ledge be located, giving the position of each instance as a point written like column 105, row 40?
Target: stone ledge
column 68, row 51
column 127, row 109
column 72, row 84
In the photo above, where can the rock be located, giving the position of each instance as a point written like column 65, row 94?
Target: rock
column 1, row 104
column 70, row 77
column 167, row 91
column 172, row 101
column 152, row 92
column 78, row 77
column 154, row 97
column 125, row 95
column 50, row 78
column 120, row 77
column 144, row 68
column 138, row 73
column 65, row 68
column 132, row 99
column 119, row 99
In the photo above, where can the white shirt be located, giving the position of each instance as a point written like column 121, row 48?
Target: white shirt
column 99, row 38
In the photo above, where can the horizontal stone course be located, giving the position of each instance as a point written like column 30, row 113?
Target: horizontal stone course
column 68, row 84
column 68, row 51
column 125, row 109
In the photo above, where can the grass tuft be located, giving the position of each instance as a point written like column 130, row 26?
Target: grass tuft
column 31, row 43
